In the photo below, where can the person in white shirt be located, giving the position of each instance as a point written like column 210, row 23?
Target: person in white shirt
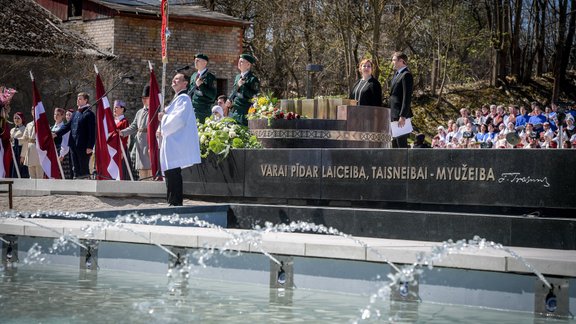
column 29, row 155
column 180, row 145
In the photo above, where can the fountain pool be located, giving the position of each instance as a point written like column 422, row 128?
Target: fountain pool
column 335, row 278
column 62, row 294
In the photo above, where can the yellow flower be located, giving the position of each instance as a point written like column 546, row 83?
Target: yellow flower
column 262, row 101
column 252, row 110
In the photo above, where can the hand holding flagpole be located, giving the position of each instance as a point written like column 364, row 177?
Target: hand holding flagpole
column 126, row 159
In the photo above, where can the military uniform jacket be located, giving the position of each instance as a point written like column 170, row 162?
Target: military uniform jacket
column 241, row 97
column 204, row 96
column 401, row 95
column 180, row 147
column 139, row 126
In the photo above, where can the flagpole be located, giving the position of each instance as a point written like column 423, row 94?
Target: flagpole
column 166, row 35
column 126, row 159
column 163, row 86
column 96, row 143
column 58, row 160
column 16, row 165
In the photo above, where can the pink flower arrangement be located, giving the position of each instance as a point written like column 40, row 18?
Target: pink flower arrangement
column 6, row 94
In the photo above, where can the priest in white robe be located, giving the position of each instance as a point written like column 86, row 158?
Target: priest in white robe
column 180, row 146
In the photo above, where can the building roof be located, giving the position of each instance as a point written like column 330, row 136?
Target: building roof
column 29, row 29
column 179, row 9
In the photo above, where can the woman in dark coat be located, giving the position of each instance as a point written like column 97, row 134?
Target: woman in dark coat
column 16, row 134
column 367, row 91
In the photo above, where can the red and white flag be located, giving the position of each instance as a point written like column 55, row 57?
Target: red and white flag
column 165, row 31
column 108, row 151
column 44, row 141
column 153, row 123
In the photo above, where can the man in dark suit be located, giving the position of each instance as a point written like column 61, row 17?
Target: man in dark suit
column 82, row 129
column 401, row 96
column 246, row 87
column 202, row 88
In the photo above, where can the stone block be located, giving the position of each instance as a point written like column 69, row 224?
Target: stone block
column 334, row 250
column 298, row 106
column 287, row 105
column 323, row 109
column 216, row 177
column 309, row 108
column 333, row 104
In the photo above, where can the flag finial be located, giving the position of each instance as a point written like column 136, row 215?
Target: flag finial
column 96, row 69
column 31, row 76
column 150, row 65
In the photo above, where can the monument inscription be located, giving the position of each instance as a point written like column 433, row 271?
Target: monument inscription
column 520, row 178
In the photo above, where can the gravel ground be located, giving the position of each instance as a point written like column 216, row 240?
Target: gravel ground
column 84, row 203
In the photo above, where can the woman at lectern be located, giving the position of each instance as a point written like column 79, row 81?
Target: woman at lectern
column 367, row 91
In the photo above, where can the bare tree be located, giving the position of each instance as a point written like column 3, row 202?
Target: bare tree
column 563, row 44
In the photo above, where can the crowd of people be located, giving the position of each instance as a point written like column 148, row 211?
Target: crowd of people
column 512, row 126
column 74, row 130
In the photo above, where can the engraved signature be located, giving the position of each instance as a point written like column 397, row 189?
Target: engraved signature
column 515, row 177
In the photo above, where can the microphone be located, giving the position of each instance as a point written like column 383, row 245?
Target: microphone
column 178, row 70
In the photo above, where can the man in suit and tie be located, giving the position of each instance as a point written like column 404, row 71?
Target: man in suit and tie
column 202, row 89
column 401, row 96
column 246, row 87
column 82, row 130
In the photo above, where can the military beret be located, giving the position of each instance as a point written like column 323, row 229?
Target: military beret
column 201, row 56
column 248, row 58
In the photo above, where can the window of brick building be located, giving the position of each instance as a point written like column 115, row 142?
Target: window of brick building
column 222, row 86
column 74, row 8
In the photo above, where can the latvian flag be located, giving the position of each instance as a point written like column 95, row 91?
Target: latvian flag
column 44, row 141
column 108, row 151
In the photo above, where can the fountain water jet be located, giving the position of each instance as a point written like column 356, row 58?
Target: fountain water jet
column 403, row 275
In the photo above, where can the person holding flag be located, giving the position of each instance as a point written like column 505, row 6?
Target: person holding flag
column 180, row 146
column 62, row 142
column 16, row 135
column 29, row 155
column 6, row 157
column 122, row 123
column 139, row 127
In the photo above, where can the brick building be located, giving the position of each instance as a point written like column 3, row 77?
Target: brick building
column 34, row 40
column 130, row 30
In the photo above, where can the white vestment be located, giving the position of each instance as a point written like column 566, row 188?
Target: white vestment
column 180, row 146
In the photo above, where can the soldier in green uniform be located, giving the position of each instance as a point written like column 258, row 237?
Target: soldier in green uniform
column 246, row 87
column 202, row 88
